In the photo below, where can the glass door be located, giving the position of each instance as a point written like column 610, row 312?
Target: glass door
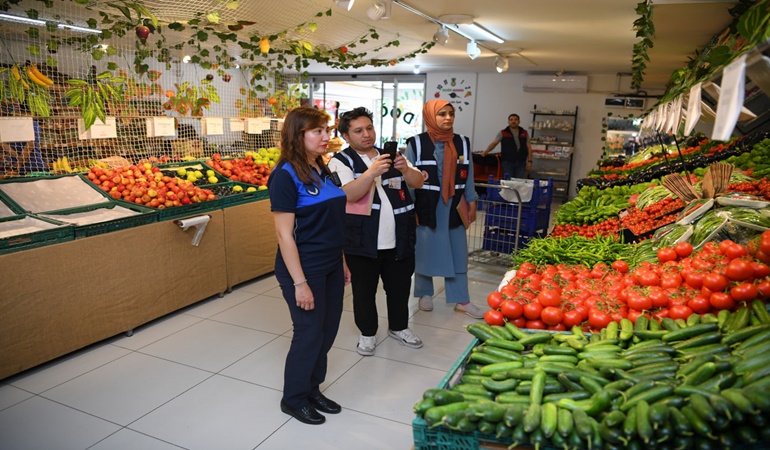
column 378, row 94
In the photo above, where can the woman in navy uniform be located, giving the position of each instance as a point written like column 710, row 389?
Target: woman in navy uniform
column 442, row 246
column 309, row 211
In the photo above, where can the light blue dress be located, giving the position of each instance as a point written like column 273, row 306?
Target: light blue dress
column 443, row 252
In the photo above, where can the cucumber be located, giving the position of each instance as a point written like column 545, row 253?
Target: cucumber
column 445, row 397
column 536, row 338
column 629, row 425
column 538, row 384
column 680, row 422
column 652, row 395
column 435, row 414
column 549, row 419
column 739, row 336
column 658, row 413
column 502, row 332
column 760, row 311
column 515, row 331
column 698, row 425
column 698, row 341
column 506, row 344
column 500, row 386
column 507, row 355
column 703, row 408
column 564, row 422
column 643, row 425
column 482, row 333
column 532, row 418
column 503, row 366
column 514, row 414
column 689, row 332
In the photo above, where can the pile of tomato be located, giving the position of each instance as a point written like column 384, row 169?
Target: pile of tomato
column 652, row 217
column 682, row 282
column 760, row 188
column 609, row 227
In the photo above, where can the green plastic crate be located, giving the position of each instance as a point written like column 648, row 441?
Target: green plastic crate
column 62, row 233
column 146, row 216
column 238, row 198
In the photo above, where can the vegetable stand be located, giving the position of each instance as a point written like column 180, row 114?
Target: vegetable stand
column 510, row 214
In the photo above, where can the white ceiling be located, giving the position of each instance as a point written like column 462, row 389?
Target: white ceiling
column 574, row 36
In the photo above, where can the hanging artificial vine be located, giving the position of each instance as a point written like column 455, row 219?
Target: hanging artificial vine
column 645, row 29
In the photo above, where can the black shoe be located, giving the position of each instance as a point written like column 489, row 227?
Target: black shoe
column 324, row 404
column 306, row 414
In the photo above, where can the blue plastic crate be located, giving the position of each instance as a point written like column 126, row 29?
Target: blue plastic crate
column 503, row 215
column 541, row 195
column 503, row 241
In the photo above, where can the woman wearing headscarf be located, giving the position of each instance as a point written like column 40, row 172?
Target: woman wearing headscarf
column 444, row 159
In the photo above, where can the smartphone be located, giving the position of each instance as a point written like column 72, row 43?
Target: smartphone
column 391, row 148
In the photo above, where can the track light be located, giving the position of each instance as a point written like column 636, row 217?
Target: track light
column 416, row 69
column 501, row 64
column 42, row 23
column 344, row 4
column 473, row 50
column 380, row 9
column 441, row 37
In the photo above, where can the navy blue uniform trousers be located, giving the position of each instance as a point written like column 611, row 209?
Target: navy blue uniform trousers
column 314, row 334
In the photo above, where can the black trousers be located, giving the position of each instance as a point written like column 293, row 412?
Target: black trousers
column 396, row 276
column 314, row 334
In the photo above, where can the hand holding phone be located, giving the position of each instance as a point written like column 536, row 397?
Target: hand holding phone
column 391, row 148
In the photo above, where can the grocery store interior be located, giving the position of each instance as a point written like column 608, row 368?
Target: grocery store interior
column 138, row 303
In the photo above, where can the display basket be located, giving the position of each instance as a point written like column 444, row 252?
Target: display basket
column 194, row 165
column 443, row 438
column 144, row 216
column 534, row 193
column 8, row 207
column 237, row 198
column 62, row 232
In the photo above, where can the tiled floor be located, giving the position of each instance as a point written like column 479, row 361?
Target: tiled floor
column 210, row 377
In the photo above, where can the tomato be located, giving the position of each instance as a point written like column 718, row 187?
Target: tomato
column 764, row 289
column 557, row 327
column 760, row 270
column 744, row 292
column 532, row 310
column 658, row 297
column 739, row 270
column 598, row 319
column 549, row 297
column 574, row 317
column 661, row 314
column 763, row 256
column 511, row 309
column 680, row 312
column 694, row 279
column 647, row 277
column 764, row 243
column 621, row 266
column 715, row 282
column 599, row 270
column 495, row 299
column 724, row 245
column 701, row 264
column 521, row 322
column 720, row 300
column 536, row 324
column 670, row 280
column 494, row 317
column 667, row 254
column 736, row 251
column 551, row 315
column 699, row 304
column 683, row 249
column 639, row 302
column 634, row 314
column 508, row 291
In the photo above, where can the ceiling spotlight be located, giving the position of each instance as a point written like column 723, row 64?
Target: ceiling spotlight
column 344, row 4
column 441, row 37
column 501, row 64
column 186, row 59
column 416, row 69
column 380, row 9
column 473, row 50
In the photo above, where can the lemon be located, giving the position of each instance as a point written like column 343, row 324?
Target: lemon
column 262, row 188
column 213, row 180
column 181, row 171
column 251, row 189
column 210, row 173
column 237, row 188
column 198, row 174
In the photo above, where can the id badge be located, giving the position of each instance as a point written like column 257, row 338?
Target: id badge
column 394, row 183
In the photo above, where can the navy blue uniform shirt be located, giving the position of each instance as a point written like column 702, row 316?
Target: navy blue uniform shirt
column 319, row 218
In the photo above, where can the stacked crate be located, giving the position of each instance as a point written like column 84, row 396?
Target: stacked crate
column 500, row 218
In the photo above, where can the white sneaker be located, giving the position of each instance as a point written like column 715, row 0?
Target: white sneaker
column 470, row 309
column 426, row 303
column 406, row 337
column 366, row 345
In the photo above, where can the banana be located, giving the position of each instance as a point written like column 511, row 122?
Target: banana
column 39, row 75
column 56, row 166
column 17, row 76
column 65, row 165
column 34, row 77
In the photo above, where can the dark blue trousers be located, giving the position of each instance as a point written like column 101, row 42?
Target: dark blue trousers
column 314, row 334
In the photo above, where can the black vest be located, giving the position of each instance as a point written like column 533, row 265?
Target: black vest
column 508, row 149
column 361, row 231
column 427, row 197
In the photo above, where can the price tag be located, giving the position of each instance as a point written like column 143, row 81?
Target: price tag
column 99, row 130
column 730, row 99
column 237, row 124
column 16, row 129
column 160, row 126
column 212, row 125
column 693, row 109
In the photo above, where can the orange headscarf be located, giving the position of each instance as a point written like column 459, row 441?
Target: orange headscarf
column 449, row 170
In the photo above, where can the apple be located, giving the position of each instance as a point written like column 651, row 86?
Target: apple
column 142, row 32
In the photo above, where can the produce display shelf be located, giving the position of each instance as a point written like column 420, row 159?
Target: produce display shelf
column 62, row 233
column 146, row 216
column 193, row 164
column 176, row 212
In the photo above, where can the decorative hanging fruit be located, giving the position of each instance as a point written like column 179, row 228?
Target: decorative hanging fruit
column 344, row 49
column 142, row 32
column 226, row 78
column 264, row 45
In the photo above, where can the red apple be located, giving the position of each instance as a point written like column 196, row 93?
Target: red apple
column 142, row 32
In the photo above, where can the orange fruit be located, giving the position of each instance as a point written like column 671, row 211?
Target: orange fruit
column 169, row 93
column 264, row 45
column 272, row 100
